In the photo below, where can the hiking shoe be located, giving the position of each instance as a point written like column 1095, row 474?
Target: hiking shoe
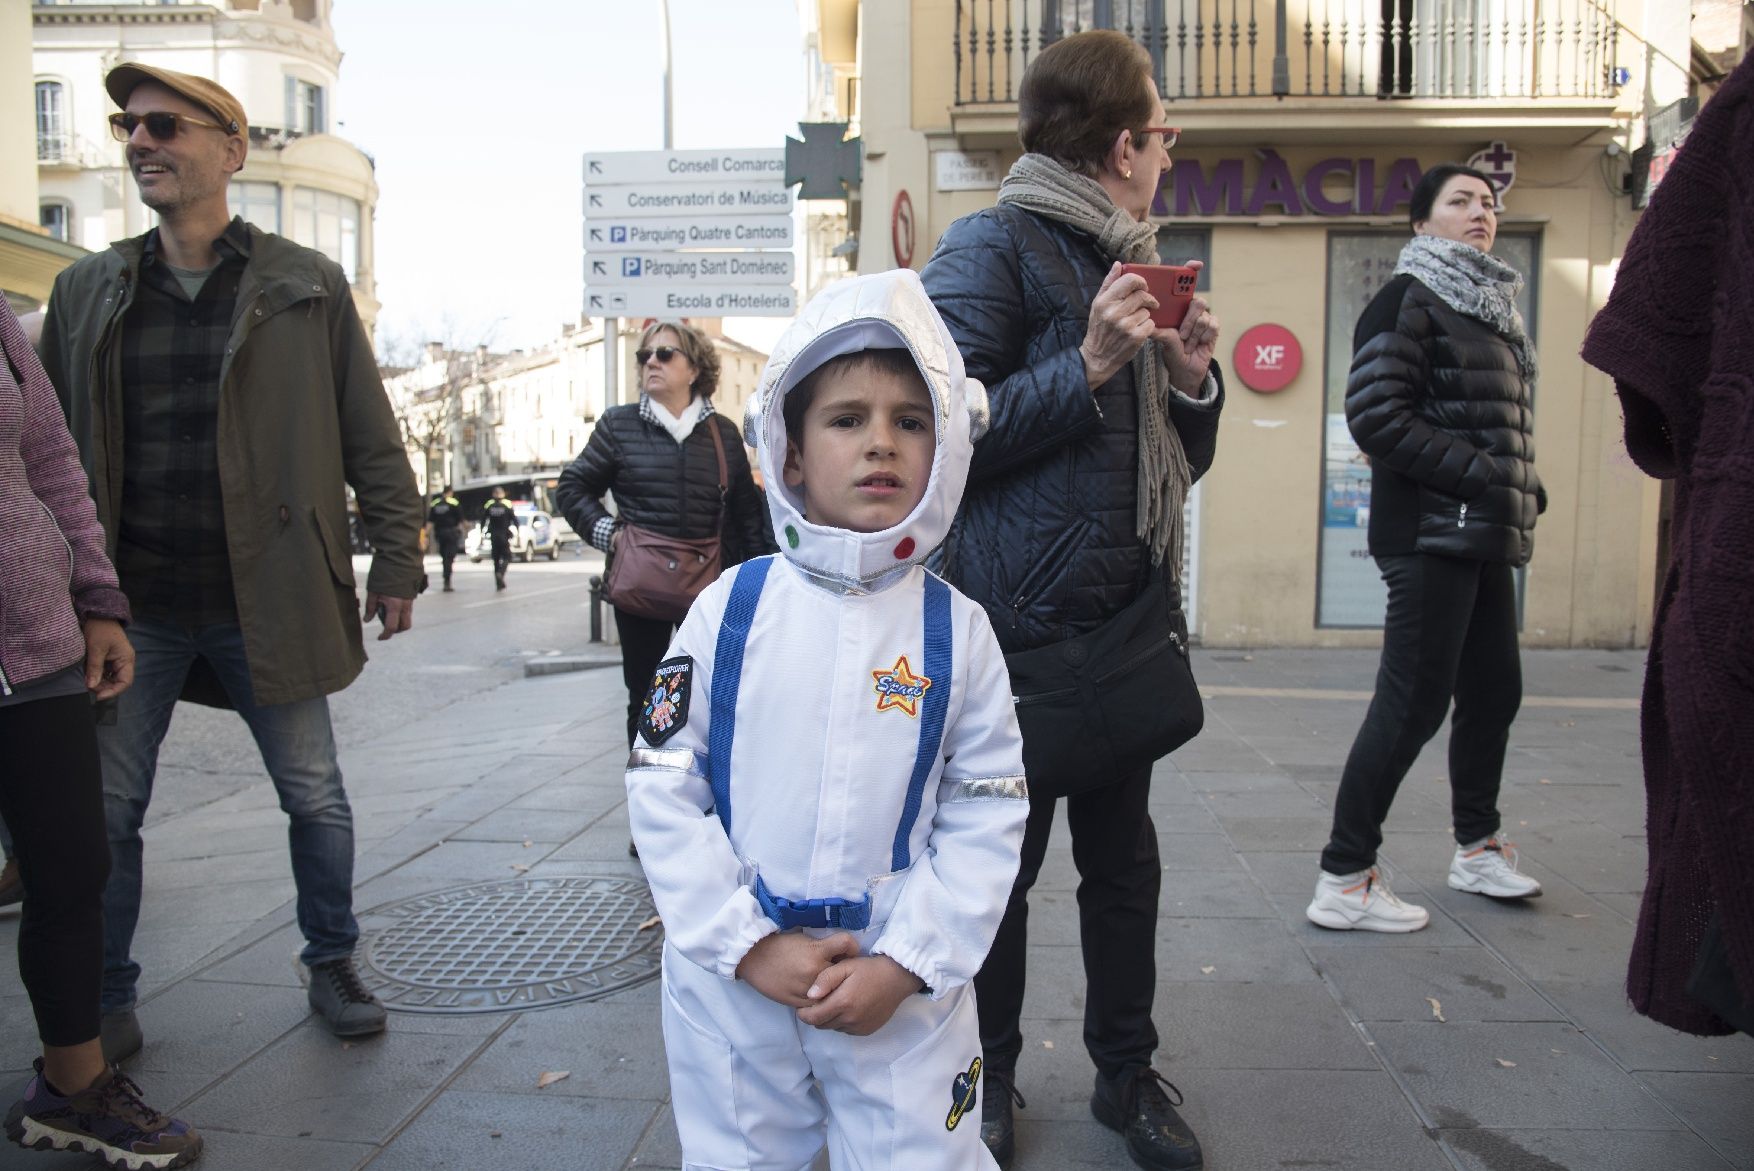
column 107, row 1119
column 1362, row 902
column 1137, row 1103
column 11, row 885
column 119, row 1034
column 998, row 1131
column 1488, row 867
column 345, row 1003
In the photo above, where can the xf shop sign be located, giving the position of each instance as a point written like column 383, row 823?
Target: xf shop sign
column 1267, row 358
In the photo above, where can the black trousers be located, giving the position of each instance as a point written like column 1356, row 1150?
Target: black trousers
column 643, row 643
column 51, row 794
column 502, row 556
column 1114, row 846
column 450, row 543
column 1450, row 632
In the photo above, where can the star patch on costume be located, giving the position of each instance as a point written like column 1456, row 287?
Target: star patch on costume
column 900, row 688
column 962, row 1094
column 666, row 706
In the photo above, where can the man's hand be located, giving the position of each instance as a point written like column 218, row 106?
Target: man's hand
column 109, row 658
column 785, row 965
column 397, row 613
column 858, row 996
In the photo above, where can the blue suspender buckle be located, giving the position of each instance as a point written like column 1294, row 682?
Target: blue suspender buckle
column 843, row 913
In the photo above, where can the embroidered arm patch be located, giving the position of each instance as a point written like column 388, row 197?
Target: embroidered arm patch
column 666, row 706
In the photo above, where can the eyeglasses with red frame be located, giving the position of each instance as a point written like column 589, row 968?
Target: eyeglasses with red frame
column 1170, row 134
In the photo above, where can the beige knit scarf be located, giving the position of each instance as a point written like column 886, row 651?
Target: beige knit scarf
column 1037, row 183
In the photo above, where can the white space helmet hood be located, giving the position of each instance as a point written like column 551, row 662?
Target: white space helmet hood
column 882, row 311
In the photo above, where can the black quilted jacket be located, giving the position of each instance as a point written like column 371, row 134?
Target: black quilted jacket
column 662, row 485
column 1436, row 401
column 1045, row 538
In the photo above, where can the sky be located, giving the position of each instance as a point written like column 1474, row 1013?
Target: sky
column 478, row 115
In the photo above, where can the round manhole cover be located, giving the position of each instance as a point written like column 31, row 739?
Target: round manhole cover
column 502, row 946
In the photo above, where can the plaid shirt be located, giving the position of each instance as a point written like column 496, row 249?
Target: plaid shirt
column 170, row 546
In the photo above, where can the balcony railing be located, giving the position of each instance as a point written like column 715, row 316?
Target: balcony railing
column 54, row 148
column 1210, row 49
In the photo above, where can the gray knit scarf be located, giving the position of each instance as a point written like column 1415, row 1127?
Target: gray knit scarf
column 1036, row 183
column 1474, row 283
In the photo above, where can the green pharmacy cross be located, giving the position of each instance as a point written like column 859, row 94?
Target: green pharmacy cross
column 827, row 162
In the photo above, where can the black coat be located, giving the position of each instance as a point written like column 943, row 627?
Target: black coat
column 668, row 487
column 1437, row 402
column 1045, row 539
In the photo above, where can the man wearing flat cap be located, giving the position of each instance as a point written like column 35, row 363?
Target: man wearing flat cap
column 224, row 395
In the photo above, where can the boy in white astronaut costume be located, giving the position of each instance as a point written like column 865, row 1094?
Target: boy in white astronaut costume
column 827, row 791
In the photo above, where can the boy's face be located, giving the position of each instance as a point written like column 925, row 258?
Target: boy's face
column 867, row 444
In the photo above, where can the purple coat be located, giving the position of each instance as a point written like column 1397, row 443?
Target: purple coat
column 53, row 571
column 1678, row 337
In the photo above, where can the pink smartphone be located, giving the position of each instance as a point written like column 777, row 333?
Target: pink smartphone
column 1172, row 285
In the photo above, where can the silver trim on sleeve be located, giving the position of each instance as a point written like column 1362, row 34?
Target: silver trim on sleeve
column 680, row 760
column 984, row 789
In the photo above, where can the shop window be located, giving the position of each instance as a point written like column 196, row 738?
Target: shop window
column 1180, row 245
column 257, row 203
column 330, row 224
column 1349, row 591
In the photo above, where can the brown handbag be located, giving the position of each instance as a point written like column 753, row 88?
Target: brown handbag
column 657, row 576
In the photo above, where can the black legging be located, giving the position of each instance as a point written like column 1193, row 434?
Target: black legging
column 1450, row 631
column 51, row 794
column 1114, row 846
column 643, row 643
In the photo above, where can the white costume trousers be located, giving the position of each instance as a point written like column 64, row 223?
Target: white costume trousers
column 756, row 1089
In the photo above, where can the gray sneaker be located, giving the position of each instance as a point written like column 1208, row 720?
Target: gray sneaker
column 119, row 1033
column 345, row 1003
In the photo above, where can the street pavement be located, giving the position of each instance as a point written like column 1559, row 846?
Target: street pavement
column 1498, row 1039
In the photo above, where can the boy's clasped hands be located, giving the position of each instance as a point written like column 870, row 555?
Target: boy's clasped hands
column 830, row 984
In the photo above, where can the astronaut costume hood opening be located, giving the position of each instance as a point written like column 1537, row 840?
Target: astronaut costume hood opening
column 882, row 311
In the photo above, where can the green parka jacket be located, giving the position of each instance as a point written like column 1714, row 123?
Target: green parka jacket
column 302, row 414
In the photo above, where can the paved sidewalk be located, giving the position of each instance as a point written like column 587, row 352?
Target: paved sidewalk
column 1498, row 1039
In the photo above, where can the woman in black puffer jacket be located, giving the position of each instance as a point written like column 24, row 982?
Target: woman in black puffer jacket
column 657, row 457
column 1439, row 399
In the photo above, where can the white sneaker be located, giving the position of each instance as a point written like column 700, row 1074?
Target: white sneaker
column 1488, row 867
column 1362, row 902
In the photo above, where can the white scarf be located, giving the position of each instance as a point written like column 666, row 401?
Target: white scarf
column 680, row 426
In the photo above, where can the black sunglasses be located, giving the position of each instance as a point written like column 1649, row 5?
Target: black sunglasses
column 664, row 354
column 161, row 124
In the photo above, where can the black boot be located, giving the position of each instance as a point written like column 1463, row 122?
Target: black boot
column 1136, row 1104
column 998, row 1131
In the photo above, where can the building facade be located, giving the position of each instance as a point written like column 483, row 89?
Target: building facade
column 30, row 258
column 279, row 57
column 1298, row 152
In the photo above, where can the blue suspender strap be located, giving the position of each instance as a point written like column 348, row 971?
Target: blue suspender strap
column 936, row 702
column 728, row 677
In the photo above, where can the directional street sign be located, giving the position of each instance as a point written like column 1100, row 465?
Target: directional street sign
column 684, row 166
column 700, row 301
column 691, row 268
column 625, row 235
column 688, row 233
column 754, row 197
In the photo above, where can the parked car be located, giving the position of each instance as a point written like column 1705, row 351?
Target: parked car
column 536, row 533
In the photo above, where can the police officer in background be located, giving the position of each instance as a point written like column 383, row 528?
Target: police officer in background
column 499, row 521
column 446, row 518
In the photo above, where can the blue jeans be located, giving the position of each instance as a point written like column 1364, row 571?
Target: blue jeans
column 298, row 749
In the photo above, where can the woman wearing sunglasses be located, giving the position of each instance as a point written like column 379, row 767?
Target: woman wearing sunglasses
column 658, row 458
